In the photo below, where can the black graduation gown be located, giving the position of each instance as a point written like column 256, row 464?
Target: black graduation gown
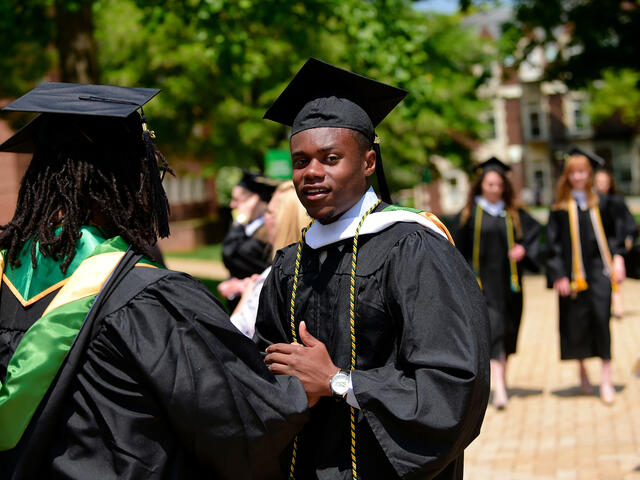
column 629, row 230
column 422, row 376
column 505, row 305
column 245, row 255
column 584, row 320
column 166, row 389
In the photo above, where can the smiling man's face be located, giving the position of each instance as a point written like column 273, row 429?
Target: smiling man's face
column 330, row 170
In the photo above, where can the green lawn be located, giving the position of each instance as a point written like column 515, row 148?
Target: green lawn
column 211, row 252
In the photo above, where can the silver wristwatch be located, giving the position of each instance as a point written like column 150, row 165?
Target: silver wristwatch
column 339, row 384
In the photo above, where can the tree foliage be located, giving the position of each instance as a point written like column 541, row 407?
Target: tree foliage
column 221, row 63
column 601, row 34
column 595, row 44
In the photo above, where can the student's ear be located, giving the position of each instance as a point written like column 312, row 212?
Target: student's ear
column 370, row 163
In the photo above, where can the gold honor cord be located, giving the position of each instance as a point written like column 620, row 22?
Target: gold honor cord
column 601, row 240
column 514, row 279
column 352, row 331
column 513, row 268
column 477, row 227
column 294, row 335
column 578, row 281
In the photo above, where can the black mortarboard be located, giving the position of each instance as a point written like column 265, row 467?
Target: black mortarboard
column 596, row 161
column 259, row 184
column 322, row 95
column 76, row 108
column 73, row 117
column 492, row 164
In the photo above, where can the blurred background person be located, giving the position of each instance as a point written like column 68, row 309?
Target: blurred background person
column 498, row 238
column 285, row 217
column 584, row 248
column 605, row 184
column 245, row 249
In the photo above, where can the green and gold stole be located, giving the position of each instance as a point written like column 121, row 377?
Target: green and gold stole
column 44, row 347
column 514, row 279
column 578, row 276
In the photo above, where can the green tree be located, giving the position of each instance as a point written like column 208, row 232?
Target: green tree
column 596, row 45
column 221, row 63
column 28, row 30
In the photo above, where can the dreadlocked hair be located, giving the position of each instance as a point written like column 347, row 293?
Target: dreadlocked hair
column 110, row 186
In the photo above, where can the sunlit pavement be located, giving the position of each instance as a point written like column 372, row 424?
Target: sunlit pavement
column 550, row 430
column 198, row 268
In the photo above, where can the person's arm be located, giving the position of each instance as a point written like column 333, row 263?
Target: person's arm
column 224, row 405
column 463, row 235
column 428, row 405
column 555, row 265
column 244, row 315
column 273, row 309
column 530, row 240
column 232, row 242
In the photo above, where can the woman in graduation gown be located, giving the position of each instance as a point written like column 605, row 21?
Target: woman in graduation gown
column 110, row 367
column 497, row 238
column 585, row 245
column 605, row 185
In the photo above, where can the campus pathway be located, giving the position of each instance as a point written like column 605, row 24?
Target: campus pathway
column 198, row 268
column 550, row 431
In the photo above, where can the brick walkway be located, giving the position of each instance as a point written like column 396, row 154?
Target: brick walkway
column 549, row 430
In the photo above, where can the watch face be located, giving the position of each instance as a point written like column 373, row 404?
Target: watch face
column 340, row 383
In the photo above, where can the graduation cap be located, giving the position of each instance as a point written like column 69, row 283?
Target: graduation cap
column 71, row 112
column 492, row 164
column 73, row 117
column 323, row 95
column 256, row 183
column 596, row 161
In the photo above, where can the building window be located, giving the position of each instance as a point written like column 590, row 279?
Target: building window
column 534, row 123
column 538, row 187
column 580, row 118
column 491, row 125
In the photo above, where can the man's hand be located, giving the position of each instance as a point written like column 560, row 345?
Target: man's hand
column 250, row 208
column 234, row 287
column 310, row 362
column 517, row 253
column 619, row 269
column 562, row 286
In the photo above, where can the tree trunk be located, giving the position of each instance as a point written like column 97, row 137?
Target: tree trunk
column 75, row 42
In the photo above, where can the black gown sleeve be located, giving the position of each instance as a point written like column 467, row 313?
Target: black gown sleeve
column 555, row 265
column 463, row 235
column 428, row 405
column 243, row 256
column 625, row 224
column 530, row 240
column 269, row 324
column 221, row 401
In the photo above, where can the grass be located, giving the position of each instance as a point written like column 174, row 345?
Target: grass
column 212, row 252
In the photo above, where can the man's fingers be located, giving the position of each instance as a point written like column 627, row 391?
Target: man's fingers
column 282, row 348
column 282, row 358
column 280, row 369
column 308, row 339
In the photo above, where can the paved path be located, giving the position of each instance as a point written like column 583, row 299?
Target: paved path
column 550, row 431
column 198, row 268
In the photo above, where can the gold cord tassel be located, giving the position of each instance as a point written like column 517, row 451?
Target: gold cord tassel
column 352, row 332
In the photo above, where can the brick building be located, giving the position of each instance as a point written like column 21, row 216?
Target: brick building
column 535, row 122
